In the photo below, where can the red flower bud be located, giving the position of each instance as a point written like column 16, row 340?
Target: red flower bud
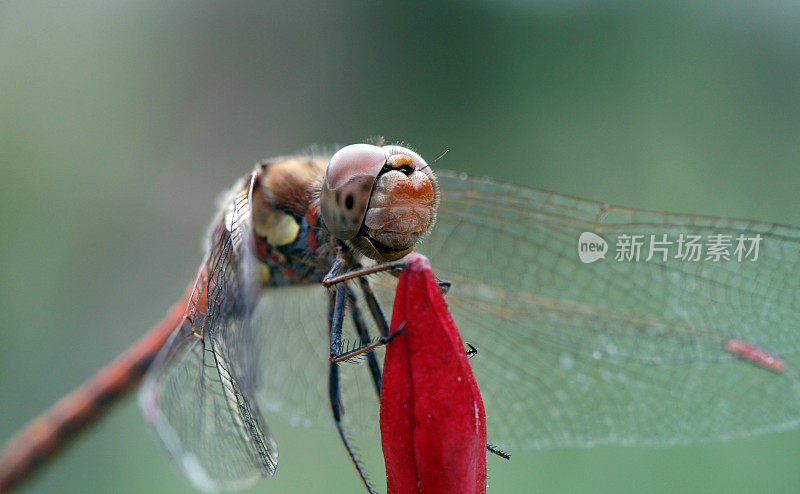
column 433, row 425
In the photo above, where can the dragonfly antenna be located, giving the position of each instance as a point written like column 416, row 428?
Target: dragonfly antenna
column 437, row 159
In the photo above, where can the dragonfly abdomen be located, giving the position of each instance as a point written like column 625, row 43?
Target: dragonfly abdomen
column 47, row 433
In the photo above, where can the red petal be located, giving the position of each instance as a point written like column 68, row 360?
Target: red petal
column 433, row 425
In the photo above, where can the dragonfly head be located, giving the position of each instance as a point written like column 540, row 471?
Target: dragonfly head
column 381, row 199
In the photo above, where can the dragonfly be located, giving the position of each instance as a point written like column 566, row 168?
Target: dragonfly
column 576, row 347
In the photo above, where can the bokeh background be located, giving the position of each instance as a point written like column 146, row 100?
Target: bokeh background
column 121, row 121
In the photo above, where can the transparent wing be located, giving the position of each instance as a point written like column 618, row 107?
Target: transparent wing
column 574, row 354
column 199, row 394
column 296, row 363
column 295, row 368
column 614, row 352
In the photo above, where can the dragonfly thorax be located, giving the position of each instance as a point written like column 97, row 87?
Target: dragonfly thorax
column 382, row 199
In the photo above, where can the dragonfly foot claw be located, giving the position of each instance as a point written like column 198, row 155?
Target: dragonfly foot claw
column 499, row 452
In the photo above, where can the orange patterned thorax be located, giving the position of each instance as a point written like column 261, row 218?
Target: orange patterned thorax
column 286, row 219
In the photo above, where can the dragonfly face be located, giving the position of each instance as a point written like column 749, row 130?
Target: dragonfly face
column 382, row 199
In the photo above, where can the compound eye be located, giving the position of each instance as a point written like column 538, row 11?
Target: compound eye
column 348, row 184
column 354, row 161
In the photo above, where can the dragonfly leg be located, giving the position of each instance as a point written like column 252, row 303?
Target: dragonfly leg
column 363, row 333
column 334, row 390
column 337, row 311
column 444, row 286
column 337, row 315
column 337, row 320
column 341, row 357
column 499, row 452
column 336, row 407
column 333, row 277
column 374, row 306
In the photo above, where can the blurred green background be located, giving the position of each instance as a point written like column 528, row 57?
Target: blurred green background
column 121, row 121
